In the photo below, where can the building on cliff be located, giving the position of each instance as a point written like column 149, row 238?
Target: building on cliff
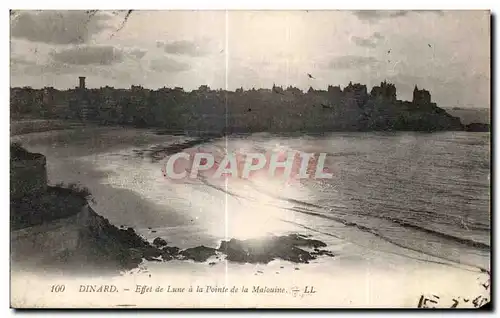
column 357, row 93
column 80, row 102
column 28, row 173
column 421, row 97
column 204, row 109
column 385, row 91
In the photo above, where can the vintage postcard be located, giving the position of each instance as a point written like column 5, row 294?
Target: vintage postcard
column 250, row 159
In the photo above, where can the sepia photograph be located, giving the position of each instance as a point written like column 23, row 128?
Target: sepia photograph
column 180, row 159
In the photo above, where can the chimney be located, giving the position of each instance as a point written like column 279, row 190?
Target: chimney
column 82, row 82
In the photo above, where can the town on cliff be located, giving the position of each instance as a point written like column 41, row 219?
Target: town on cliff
column 352, row 108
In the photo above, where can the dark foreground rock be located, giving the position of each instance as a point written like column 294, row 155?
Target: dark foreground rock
column 264, row 250
column 105, row 242
column 170, row 250
column 159, row 242
column 53, row 204
column 199, row 253
column 103, row 246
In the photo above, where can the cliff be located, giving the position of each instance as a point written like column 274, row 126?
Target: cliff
column 87, row 243
column 83, row 241
column 28, row 173
column 54, row 224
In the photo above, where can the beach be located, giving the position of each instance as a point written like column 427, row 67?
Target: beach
column 405, row 215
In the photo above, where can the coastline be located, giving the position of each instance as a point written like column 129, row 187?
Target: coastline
column 337, row 282
column 26, row 126
column 369, row 271
column 341, row 275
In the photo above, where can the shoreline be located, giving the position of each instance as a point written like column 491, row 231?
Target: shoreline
column 338, row 264
column 336, row 281
column 26, row 126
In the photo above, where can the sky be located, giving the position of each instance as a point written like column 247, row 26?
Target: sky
column 445, row 52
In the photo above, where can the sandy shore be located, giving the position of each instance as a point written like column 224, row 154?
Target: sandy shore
column 364, row 275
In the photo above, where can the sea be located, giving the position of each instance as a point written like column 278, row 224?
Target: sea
column 424, row 196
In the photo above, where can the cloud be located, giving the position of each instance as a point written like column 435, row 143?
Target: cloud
column 88, row 55
column 183, row 48
column 167, row 65
column 57, row 27
column 17, row 60
column 34, row 69
column 377, row 15
column 371, row 41
column 67, row 75
column 352, row 62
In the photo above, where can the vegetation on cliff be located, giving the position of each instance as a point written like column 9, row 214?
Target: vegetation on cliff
column 55, row 203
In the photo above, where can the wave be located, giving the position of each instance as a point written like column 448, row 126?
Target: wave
column 444, row 262
column 307, row 209
column 402, row 223
column 376, row 233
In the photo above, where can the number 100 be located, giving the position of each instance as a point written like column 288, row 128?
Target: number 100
column 57, row 288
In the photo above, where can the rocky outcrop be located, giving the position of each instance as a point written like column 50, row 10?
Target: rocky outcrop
column 382, row 115
column 92, row 242
column 477, row 127
column 199, row 253
column 267, row 249
column 159, row 242
column 104, row 245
